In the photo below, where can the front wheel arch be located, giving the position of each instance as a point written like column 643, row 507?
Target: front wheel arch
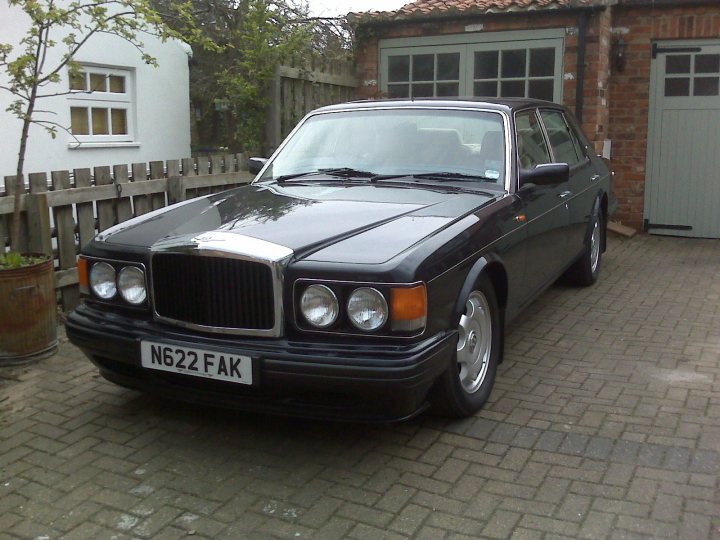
column 491, row 266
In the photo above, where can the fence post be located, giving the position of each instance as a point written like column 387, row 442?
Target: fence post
column 65, row 226
column 10, row 192
column 38, row 216
column 175, row 189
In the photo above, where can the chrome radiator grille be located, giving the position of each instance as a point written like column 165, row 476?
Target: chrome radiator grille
column 213, row 292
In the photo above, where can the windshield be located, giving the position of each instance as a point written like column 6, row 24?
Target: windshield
column 396, row 142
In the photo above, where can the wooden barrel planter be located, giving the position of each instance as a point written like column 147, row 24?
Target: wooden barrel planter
column 28, row 313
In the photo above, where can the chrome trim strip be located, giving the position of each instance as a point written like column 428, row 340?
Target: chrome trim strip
column 234, row 246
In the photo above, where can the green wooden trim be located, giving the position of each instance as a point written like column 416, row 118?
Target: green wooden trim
column 472, row 37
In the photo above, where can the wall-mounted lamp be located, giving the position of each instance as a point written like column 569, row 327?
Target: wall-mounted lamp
column 620, row 55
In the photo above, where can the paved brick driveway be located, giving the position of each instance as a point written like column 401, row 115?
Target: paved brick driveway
column 605, row 422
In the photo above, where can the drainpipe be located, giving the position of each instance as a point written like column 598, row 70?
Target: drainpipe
column 582, row 46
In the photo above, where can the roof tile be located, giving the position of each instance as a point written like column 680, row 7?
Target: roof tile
column 431, row 8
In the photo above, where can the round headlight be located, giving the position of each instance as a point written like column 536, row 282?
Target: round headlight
column 131, row 283
column 319, row 306
column 102, row 280
column 367, row 309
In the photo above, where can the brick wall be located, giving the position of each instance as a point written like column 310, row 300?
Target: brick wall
column 630, row 91
column 616, row 104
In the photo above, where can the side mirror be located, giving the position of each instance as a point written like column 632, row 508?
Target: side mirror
column 547, row 174
column 255, row 164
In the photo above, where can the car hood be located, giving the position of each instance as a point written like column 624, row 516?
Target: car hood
column 363, row 223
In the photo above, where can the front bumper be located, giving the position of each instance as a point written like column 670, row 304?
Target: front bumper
column 330, row 380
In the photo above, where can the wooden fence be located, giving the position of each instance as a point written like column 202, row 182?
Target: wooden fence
column 63, row 215
column 299, row 89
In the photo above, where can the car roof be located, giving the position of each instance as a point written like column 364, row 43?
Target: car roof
column 500, row 104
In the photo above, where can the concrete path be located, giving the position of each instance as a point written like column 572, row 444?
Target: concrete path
column 604, row 423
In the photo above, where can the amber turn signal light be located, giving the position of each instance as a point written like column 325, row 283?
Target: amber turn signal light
column 409, row 308
column 83, row 279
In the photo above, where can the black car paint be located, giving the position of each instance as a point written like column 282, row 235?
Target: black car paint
column 442, row 233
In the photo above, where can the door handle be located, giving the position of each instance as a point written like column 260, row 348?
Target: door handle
column 595, row 178
column 565, row 194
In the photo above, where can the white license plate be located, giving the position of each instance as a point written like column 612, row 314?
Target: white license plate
column 197, row 362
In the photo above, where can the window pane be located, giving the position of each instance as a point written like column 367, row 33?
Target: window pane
column 485, row 89
column 677, row 63
column 513, row 63
column 542, row 62
column 560, row 138
column 706, row 86
column 119, row 121
column 78, row 82
column 79, row 121
column 448, row 89
column 422, row 90
column 486, row 65
column 677, row 87
column 117, row 84
column 707, row 63
column 448, row 67
column 512, row 89
column 542, row 89
column 98, row 82
column 399, row 68
column 100, row 121
column 398, row 90
column 423, row 67
column 532, row 149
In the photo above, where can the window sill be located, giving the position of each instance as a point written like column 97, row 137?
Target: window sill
column 84, row 145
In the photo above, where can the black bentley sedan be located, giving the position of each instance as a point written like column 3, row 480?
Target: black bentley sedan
column 368, row 272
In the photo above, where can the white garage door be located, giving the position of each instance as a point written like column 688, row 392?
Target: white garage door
column 682, row 196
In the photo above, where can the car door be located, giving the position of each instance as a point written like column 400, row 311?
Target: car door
column 566, row 148
column 545, row 206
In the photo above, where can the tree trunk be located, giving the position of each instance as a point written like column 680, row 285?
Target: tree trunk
column 19, row 181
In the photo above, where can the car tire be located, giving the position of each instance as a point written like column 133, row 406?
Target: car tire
column 466, row 384
column 586, row 270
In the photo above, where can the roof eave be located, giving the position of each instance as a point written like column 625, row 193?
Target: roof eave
column 356, row 21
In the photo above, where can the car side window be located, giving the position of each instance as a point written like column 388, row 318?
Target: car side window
column 563, row 141
column 532, row 149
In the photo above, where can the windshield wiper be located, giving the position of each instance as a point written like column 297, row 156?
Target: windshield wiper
column 453, row 176
column 341, row 172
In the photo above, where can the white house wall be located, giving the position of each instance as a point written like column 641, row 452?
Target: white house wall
column 160, row 115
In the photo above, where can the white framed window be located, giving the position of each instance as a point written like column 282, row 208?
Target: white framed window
column 101, row 105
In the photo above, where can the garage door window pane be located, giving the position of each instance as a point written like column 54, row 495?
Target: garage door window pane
column 542, row 62
column 399, row 68
column 707, row 63
column 79, row 121
column 423, row 67
column 513, row 63
column 512, row 89
column 542, row 89
column 677, row 63
column 448, row 66
column 486, row 65
column 486, row 89
column 398, row 90
column 677, row 87
column 448, row 89
column 706, row 86
column 422, row 90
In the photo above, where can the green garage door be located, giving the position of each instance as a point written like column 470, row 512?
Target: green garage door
column 682, row 196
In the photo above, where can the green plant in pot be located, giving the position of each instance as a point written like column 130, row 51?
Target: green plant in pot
column 31, row 72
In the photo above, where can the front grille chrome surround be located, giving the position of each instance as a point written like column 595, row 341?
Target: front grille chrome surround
column 232, row 246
